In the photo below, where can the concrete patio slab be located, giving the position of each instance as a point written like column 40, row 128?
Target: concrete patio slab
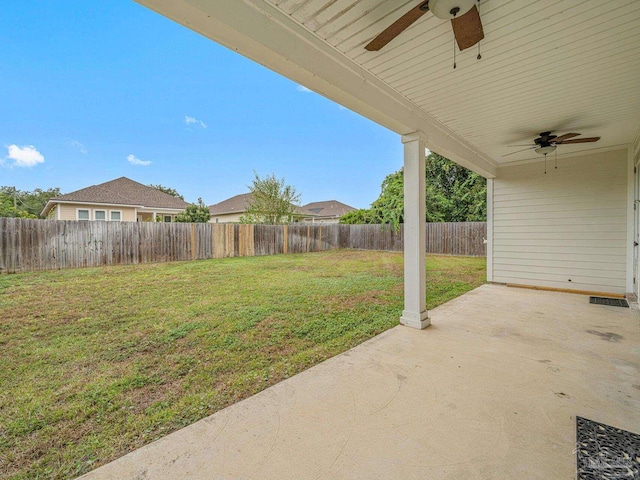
column 489, row 391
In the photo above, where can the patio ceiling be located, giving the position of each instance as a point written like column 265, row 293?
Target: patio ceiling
column 565, row 66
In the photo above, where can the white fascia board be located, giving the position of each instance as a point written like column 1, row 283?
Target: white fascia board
column 160, row 209
column 261, row 32
column 92, row 203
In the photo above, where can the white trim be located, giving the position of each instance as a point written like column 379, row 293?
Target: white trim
column 415, row 313
column 160, row 209
column 631, row 191
column 100, row 210
column 57, row 212
column 489, row 229
column 265, row 34
column 635, row 146
column 88, row 210
column 93, row 203
column 115, row 211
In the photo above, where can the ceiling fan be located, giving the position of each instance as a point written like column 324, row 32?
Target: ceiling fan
column 547, row 142
column 464, row 16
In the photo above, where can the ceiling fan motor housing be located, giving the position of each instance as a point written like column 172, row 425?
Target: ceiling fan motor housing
column 545, row 139
column 448, row 9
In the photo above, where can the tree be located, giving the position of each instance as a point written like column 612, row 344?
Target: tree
column 363, row 215
column 23, row 204
column 194, row 213
column 272, row 201
column 167, row 190
column 453, row 194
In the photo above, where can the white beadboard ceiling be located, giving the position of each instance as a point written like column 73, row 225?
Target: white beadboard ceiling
column 546, row 65
column 559, row 65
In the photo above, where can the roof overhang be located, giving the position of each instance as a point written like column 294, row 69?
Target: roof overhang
column 51, row 203
column 261, row 32
column 565, row 66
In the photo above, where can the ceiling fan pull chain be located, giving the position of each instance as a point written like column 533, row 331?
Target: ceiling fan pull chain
column 545, row 163
column 454, row 12
column 454, row 53
column 479, row 56
column 556, row 159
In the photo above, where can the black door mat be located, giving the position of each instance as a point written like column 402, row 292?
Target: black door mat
column 605, row 452
column 611, row 302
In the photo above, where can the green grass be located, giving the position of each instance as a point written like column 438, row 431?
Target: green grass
column 97, row 362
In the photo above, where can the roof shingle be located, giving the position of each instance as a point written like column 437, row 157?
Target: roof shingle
column 328, row 208
column 123, row 191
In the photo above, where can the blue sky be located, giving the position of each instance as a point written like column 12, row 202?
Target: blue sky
column 91, row 91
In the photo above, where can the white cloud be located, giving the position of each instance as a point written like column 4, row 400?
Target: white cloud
column 133, row 160
column 303, row 89
column 194, row 121
column 26, row 156
column 81, row 148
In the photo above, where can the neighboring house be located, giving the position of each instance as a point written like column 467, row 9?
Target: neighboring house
column 575, row 227
column 231, row 209
column 120, row 200
column 328, row 211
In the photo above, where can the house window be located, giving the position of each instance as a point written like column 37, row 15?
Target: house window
column 82, row 214
column 115, row 215
column 217, row 220
column 99, row 214
column 167, row 218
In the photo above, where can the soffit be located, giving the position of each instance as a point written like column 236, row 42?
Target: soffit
column 569, row 65
column 564, row 66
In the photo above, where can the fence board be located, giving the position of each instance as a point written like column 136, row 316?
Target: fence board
column 31, row 245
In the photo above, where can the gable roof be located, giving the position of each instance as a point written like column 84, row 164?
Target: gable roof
column 328, row 208
column 121, row 191
column 237, row 204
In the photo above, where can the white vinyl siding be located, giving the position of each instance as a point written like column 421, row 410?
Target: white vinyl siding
column 566, row 229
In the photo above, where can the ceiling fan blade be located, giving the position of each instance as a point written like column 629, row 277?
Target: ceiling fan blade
column 397, row 27
column 564, row 137
column 524, row 145
column 467, row 28
column 581, row 140
column 513, row 153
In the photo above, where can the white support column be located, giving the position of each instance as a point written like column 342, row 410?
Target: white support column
column 415, row 240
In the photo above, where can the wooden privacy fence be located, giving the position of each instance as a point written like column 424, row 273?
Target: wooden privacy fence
column 30, row 245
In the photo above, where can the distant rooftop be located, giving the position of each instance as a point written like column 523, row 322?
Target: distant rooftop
column 239, row 204
column 328, row 208
column 121, row 191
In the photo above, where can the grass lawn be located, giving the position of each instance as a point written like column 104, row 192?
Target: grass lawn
column 97, row 362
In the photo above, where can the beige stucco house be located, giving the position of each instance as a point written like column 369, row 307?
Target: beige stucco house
column 328, row 211
column 119, row 200
column 231, row 209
